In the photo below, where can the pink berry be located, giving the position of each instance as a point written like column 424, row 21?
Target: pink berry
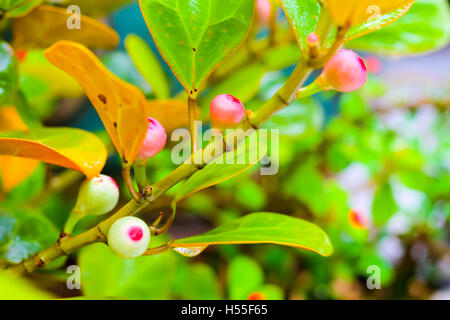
column 264, row 10
column 154, row 141
column 312, row 39
column 345, row 72
column 226, row 111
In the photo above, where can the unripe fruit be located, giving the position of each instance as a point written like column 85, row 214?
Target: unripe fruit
column 154, row 142
column 226, row 111
column 345, row 72
column 97, row 196
column 313, row 39
column 129, row 237
column 264, row 10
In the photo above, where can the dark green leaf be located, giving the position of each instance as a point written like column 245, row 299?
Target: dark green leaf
column 195, row 36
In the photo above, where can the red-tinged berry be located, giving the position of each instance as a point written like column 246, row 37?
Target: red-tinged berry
column 264, row 11
column 226, row 111
column 129, row 237
column 154, row 142
column 312, row 39
column 345, row 72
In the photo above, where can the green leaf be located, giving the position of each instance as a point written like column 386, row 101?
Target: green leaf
column 384, row 205
column 148, row 65
column 264, row 227
column 249, row 152
column 197, row 282
column 244, row 276
column 70, row 148
column 303, row 16
column 104, row 274
column 194, row 37
column 18, row 8
column 9, row 78
column 425, row 27
column 23, row 232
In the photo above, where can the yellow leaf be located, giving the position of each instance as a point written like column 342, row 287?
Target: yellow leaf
column 172, row 114
column 66, row 147
column 13, row 171
column 47, row 24
column 120, row 105
column 10, row 120
column 359, row 11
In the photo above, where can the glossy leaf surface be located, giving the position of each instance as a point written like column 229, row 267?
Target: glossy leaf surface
column 195, row 36
column 265, row 227
column 70, row 148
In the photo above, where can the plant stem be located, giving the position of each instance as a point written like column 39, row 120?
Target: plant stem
column 126, row 174
column 140, row 173
column 285, row 96
column 194, row 139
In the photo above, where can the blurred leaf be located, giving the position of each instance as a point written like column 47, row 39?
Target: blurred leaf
column 384, row 205
column 13, row 170
column 353, row 105
column 9, row 79
column 271, row 292
column 250, row 195
column 202, row 34
column 173, row 114
column 249, row 152
column 104, row 274
column 24, row 232
column 18, row 8
column 97, row 8
column 15, row 288
column 70, row 148
column 148, row 65
column 57, row 84
column 365, row 11
column 302, row 118
column 425, row 27
column 197, row 282
column 244, row 276
column 121, row 106
column 290, row 53
column 243, row 84
column 264, row 227
column 49, row 24
column 308, row 185
column 303, row 16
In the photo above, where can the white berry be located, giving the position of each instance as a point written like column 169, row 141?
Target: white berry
column 129, row 237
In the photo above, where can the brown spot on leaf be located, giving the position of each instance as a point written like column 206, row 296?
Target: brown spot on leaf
column 102, row 98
